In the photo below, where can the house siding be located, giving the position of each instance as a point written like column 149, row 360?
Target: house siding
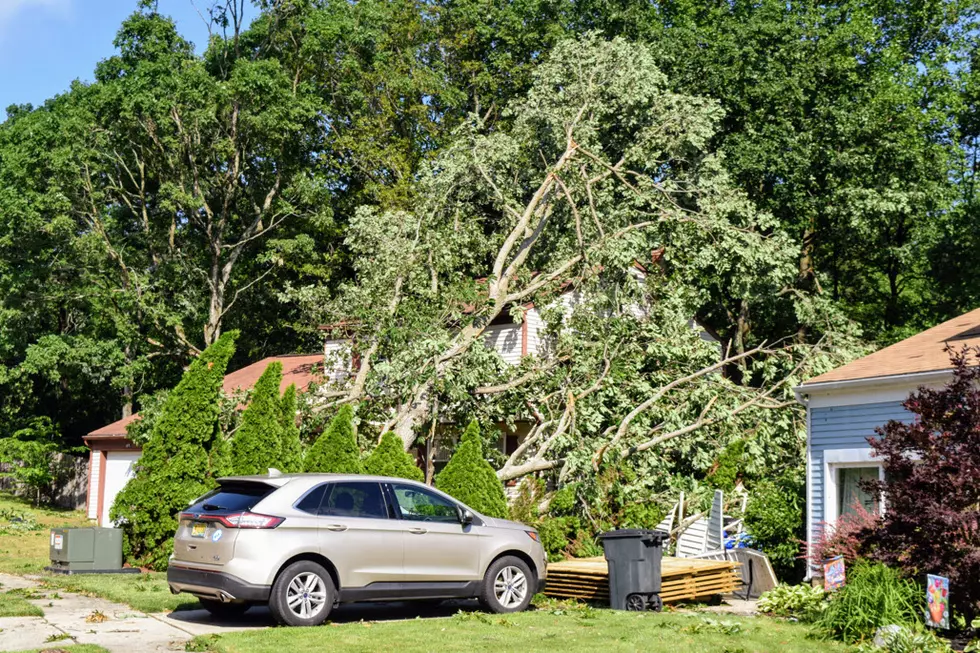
column 842, row 427
column 506, row 340
column 95, row 459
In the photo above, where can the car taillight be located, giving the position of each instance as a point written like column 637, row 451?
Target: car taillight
column 250, row 520
column 237, row 520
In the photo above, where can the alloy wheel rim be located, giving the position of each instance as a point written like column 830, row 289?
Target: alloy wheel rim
column 306, row 595
column 510, row 587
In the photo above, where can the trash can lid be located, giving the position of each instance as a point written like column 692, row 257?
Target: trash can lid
column 639, row 533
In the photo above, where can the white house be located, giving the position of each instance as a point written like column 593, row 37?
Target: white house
column 845, row 405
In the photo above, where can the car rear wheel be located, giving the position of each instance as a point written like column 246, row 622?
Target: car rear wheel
column 507, row 586
column 303, row 595
column 224, row 610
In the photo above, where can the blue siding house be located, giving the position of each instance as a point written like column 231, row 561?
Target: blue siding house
column 845, row 405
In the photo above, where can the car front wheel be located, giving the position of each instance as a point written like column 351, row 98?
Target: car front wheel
column 303, row 595
column 507, row 586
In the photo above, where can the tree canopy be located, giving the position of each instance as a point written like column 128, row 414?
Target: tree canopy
column 795, row 180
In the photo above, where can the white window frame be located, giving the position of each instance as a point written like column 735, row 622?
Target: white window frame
column 835, row 459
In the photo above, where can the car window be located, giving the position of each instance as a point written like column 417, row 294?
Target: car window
column 232, row 497
column 354, row 499
column 417, row 504
column 311, row 501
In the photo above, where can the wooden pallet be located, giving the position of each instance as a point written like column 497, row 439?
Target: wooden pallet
column 683, row 579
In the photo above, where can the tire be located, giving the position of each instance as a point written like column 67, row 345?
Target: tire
column 507, row 586
column 636, row 603
column 303, row 595
column 224, row 610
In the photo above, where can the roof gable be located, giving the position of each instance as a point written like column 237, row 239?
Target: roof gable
column 923, row 352
column 299, row 369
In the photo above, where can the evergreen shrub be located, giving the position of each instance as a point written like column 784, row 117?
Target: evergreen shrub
column 469, row 477
column 258, row 443
column 291, row 453
column 389, row 458
column 183, row 456
column 335, row 451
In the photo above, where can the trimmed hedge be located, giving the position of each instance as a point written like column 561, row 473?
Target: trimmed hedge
column 258, row 443
column 389, row 458
column 335, row 451
column 181, row 460
column 470, row 478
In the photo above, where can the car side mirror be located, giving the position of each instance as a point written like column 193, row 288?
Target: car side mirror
column 465, row 517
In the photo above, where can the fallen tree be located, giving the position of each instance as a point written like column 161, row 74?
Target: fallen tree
column 599, row 171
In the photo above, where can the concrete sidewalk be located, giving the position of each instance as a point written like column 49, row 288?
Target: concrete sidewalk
column 72, row 618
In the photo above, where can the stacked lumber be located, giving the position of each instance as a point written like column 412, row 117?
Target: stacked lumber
column 683, row 579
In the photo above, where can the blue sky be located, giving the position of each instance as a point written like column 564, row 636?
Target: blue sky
column 45, row 44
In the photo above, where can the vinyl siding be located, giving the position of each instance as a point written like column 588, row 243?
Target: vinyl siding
column 337, row 360
column 842, row 427
column 537, row 341
column 93, row 483
column 506, row 340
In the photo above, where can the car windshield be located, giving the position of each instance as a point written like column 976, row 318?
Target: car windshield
column 232, row 497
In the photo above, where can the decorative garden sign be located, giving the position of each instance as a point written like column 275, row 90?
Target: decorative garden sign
column 833, row 574
column 937, row 598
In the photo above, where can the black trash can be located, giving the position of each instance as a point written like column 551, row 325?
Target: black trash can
column 634, row 556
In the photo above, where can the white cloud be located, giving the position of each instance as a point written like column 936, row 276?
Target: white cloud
column 10, row 9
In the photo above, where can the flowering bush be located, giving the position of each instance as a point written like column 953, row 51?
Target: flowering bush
column 846, row 538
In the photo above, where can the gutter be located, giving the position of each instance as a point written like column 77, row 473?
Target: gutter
column 804, row 390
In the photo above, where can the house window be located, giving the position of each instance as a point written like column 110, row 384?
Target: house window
column 851, row 492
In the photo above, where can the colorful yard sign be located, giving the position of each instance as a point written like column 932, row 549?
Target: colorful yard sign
column 833, row 574
column 937, row 597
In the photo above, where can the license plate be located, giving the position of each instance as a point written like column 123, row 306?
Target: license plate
column 199, row 529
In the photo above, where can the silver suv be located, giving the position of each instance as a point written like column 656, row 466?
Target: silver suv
column 303, row 543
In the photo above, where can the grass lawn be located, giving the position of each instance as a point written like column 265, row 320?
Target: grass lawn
column 553, row 627
column 12, row 605
column 26, row 552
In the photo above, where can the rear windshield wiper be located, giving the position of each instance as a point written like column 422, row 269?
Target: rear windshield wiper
column 213, row 506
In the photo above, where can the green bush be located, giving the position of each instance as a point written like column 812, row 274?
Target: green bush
column 774, row 519
column 802, row 601
column 469, row 477
column 873, row 596
column 389, row 458
column 291, row 454
column 182, row 457
column 258, row 442
column 728, row 467
column 335, row 451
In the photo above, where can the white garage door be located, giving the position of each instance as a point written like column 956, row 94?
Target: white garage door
column 118, row 470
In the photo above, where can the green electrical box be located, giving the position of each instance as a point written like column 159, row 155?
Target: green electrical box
column 86, row 550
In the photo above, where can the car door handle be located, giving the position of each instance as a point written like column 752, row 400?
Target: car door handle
column 417, row 531
column 337, row 527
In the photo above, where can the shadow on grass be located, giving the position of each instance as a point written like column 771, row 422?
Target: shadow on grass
column 260, row 617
